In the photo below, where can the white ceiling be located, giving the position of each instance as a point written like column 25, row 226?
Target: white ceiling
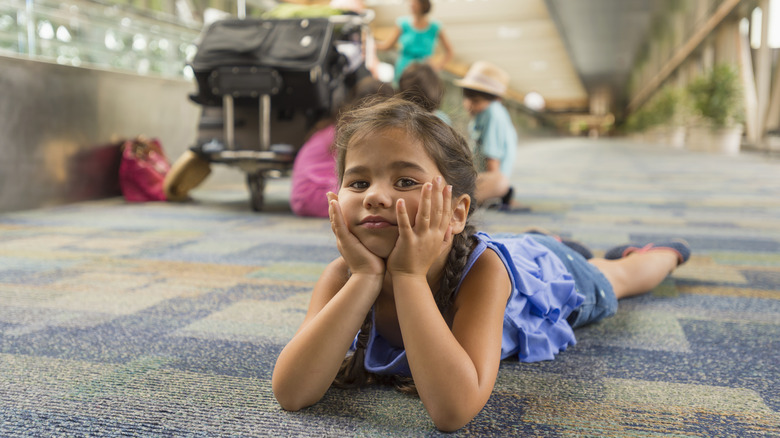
column 533, row 40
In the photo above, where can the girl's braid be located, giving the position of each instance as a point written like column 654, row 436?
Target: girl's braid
column 352, row 372
column 462, row 244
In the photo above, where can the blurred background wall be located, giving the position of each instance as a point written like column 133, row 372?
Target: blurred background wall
column 79, row 76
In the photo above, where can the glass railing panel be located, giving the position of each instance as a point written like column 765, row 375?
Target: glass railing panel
column 88, row 33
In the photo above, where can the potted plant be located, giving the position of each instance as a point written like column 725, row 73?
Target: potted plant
column 716, row 97
column 673, row 112
column 663, row 118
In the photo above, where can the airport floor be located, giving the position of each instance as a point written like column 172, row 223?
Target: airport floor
column 165, row 319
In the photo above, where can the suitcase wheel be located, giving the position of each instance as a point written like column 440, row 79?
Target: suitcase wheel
column 256, row 184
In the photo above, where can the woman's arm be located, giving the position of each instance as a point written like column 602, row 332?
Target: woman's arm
column 390, row 42
column 455, row 369
column 340, row 302
column 447, row 48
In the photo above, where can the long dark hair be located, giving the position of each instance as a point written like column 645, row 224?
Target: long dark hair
column 450, row 151
column 425, row 6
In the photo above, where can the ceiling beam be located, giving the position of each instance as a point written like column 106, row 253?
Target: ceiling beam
column 682, row 53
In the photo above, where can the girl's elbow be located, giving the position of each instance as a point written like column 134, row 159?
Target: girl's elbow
column 290, row 399
column 286, row 402
column 457, row 412
column 290, row 405
column 290, row 402
column 452, row 419
column 451, row 423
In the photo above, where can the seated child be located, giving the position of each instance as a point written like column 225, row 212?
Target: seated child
column 492, row 131
column 314, row 168
column 420, row 83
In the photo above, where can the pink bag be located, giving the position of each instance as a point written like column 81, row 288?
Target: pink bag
column 143, row 170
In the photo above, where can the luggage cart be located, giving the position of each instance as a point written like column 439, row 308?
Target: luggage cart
column 264, row 83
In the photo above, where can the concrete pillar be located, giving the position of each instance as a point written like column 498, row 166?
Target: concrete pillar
column 773, row 116
column 748, row 88
column 708, row 56
column 763, row 75
column 600, row 101
column 727, row 42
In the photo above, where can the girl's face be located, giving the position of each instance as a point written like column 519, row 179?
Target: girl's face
column 380, row 169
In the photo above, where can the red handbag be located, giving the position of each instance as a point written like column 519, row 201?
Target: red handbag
column 142, row 170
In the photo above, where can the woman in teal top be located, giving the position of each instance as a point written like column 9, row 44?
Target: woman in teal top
column 417, row 35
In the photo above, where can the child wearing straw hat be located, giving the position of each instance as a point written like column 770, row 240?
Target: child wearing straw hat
column 491, row 130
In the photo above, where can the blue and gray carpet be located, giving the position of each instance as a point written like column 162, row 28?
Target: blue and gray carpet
column 166, row 319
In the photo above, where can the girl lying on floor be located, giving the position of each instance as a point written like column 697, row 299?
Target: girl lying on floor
column 419, row 297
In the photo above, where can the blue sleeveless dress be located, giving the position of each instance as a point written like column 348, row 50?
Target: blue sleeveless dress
column 535, row 327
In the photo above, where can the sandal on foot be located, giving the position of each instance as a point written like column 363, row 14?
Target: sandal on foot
column 679, row 246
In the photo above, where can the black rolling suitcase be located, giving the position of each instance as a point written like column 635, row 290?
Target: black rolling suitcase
column 263, row 84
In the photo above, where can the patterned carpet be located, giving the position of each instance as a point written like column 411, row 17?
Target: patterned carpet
column 165, row 320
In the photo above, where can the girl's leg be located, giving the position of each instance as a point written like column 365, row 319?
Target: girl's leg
column 638, row 272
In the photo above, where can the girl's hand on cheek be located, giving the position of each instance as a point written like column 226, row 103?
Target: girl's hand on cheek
column 359, row 259
column 419, row 246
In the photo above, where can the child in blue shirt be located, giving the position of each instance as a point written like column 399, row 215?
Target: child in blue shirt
column 491, row 130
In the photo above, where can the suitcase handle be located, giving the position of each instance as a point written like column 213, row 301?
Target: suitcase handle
column 245, row 81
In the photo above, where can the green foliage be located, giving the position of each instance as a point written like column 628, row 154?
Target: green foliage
column 672, row 106
column 638, row 121
column 669, row 107
column 717, row 96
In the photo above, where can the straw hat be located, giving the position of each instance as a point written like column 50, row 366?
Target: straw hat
column 486, row 77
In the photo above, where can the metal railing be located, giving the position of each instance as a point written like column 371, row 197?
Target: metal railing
column 92, row 34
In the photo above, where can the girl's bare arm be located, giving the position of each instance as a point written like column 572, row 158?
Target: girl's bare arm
column 308, row 364
column 455, row 369
column 340, row 302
